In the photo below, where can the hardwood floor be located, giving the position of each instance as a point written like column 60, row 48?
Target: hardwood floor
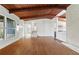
column 37, row 46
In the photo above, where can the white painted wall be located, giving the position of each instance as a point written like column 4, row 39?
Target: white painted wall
column 20, row 29
column 27, row 29
column 3, row 11
column 73, row 25
column 61, row 32
column 45, row 27
column 60, row 35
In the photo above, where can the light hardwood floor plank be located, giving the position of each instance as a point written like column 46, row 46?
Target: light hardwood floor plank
column 37, row 46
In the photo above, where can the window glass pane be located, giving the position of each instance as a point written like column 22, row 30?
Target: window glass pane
column 10, row 28
column 1, row 27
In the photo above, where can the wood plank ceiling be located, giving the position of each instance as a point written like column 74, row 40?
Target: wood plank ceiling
column 34, row 11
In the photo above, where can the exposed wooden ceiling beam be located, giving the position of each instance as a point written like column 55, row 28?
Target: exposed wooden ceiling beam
column 62, row 16
column 37, row 8
column 39, row 16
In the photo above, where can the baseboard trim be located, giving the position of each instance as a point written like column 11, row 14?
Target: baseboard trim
column 5, row 43
column 76, row 49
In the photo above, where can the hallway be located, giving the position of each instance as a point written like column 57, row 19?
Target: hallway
column 27, row 29
column 37, row 46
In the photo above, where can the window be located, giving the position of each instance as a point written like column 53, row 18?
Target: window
column 1, row 27
column 10, row 28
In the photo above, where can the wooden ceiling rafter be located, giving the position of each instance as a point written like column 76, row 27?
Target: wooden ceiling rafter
column 49, row 16
column 30, row 11
column 36, row 8
column 61, row 16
